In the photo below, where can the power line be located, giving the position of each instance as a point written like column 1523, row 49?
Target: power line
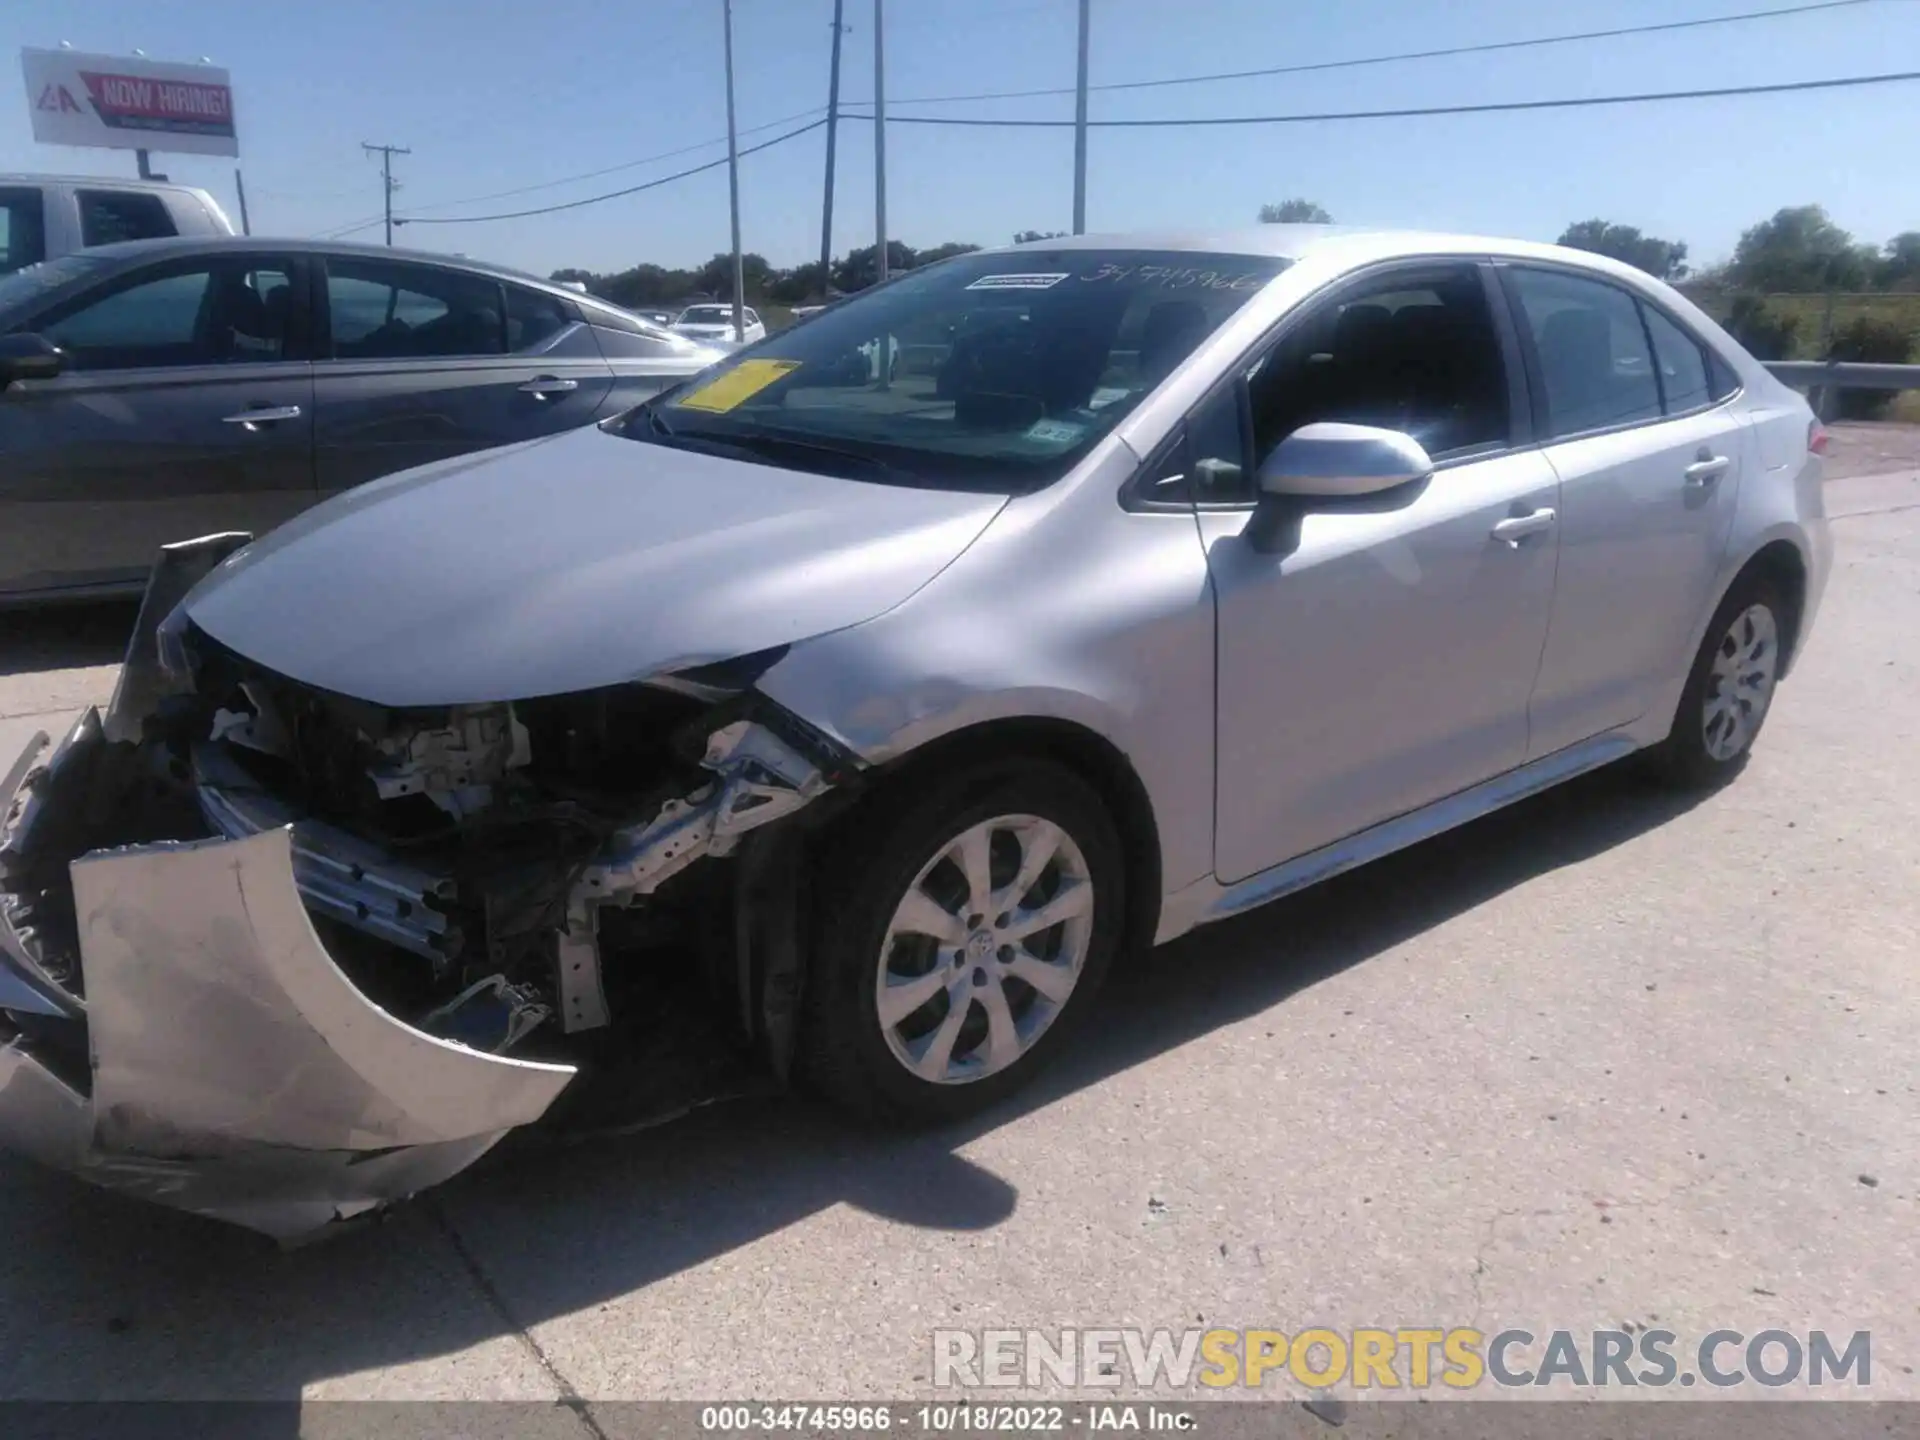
column 341, row 232
column 1318, row 65
column 615, row 169
column 1571, row 103
column 610, row 195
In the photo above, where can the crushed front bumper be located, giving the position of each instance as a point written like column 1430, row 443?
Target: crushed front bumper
column 210, row 1054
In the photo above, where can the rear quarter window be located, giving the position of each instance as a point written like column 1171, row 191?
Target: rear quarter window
column 108, row 217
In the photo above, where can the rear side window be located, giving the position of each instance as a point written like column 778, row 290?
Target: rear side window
column 23, row 236
column 1593, row 352
column 108, row 217
column 1682, row 362
column 386, row 311
column 533, row 318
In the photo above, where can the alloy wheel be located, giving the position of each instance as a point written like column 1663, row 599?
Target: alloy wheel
column 1740, row 684
column 984, row 949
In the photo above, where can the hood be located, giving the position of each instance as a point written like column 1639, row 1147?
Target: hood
column 570, row 563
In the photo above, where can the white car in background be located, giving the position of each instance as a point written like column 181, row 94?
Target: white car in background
column 713, row 325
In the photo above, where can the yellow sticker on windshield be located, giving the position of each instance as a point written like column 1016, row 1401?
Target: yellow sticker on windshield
column 739, row 384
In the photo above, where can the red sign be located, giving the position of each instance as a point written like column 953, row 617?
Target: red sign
column 136, row 102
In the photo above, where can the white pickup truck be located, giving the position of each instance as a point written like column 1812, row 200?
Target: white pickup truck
column 44, row 216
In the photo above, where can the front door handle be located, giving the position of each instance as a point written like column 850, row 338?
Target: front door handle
column 262, row 415
column 1516, row 528
column 1706, row 470
column 541, row 386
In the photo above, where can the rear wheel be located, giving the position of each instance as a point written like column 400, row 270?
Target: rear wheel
column 1729, row 690
column 963, row 936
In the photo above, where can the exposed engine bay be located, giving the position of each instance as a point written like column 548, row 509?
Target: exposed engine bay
column 281, row 956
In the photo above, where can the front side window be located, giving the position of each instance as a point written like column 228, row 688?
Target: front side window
column 107, row 217
column 23, row 239
column 1009, row 367
column 230, row 312
column 1593, row 352
column 1413, row 353
column 379, row 310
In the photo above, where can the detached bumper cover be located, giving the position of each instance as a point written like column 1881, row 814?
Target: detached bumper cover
column 231, row 1068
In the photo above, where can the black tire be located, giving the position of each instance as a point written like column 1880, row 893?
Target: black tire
column 1683, row 759
column 881, row 847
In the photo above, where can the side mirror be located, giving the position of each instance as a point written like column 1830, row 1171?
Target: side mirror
column 1332, row 461
column 29, row 357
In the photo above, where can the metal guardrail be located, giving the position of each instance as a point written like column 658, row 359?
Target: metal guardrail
column 1845, row 375
column 1823, row 380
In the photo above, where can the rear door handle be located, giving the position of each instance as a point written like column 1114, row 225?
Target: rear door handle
column 541, row 386
column 1516, row 528
column 1704, row 471
column 263, row 415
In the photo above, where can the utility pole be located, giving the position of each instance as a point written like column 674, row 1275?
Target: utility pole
column 1080, row 130
column 733, row 184
column 833, row 125
column 880, row 143
column 387, row 183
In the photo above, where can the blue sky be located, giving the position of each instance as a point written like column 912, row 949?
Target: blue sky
column 497, row 94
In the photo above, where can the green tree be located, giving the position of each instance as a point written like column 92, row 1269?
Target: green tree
column 1874, row 341
column 1030, row 237
column 944, row 252
column 1294, row 212
column 1765, row 333
column 1800, row 250
column 715, row 278
column 855, row 270
column 1900, row 270
column 1662, row 259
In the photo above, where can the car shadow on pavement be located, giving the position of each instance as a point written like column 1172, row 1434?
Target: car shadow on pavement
column 65, row 636
column 103, row 1296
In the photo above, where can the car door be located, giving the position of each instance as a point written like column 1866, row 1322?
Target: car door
column 424, row 362
column 644, row 358
column 1649, row 457
column 1374, row 655
column 185, row 407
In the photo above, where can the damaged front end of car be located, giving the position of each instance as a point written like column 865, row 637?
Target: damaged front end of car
column 281, row 957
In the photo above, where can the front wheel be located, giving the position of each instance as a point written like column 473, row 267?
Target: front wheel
column 963, row 935
column 1729, row 690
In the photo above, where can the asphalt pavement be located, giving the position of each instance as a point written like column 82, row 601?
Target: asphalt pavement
column 1606, row 1058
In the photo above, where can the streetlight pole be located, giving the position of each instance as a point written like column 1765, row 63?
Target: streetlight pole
column 733, row 184
column 1080, row 131
column 879, row 142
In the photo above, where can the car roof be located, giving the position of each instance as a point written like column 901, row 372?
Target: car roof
column 97, row 182
column 1339, row 244
column 131, row 251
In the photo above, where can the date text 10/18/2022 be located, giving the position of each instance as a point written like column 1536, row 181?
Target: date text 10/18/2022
column 941, row 1419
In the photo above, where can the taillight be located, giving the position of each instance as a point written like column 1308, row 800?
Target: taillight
column 1816, row 438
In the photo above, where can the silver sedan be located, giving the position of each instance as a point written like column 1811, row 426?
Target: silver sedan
column 877, row 714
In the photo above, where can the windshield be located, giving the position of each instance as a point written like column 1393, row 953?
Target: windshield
column 25, row 286
column 708, row 315
column 986, row 371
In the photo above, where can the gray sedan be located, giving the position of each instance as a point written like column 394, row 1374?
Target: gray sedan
column 1163, row 577
column 170, row 388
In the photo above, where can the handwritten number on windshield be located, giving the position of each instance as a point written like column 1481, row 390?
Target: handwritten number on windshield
column 1174, row 277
